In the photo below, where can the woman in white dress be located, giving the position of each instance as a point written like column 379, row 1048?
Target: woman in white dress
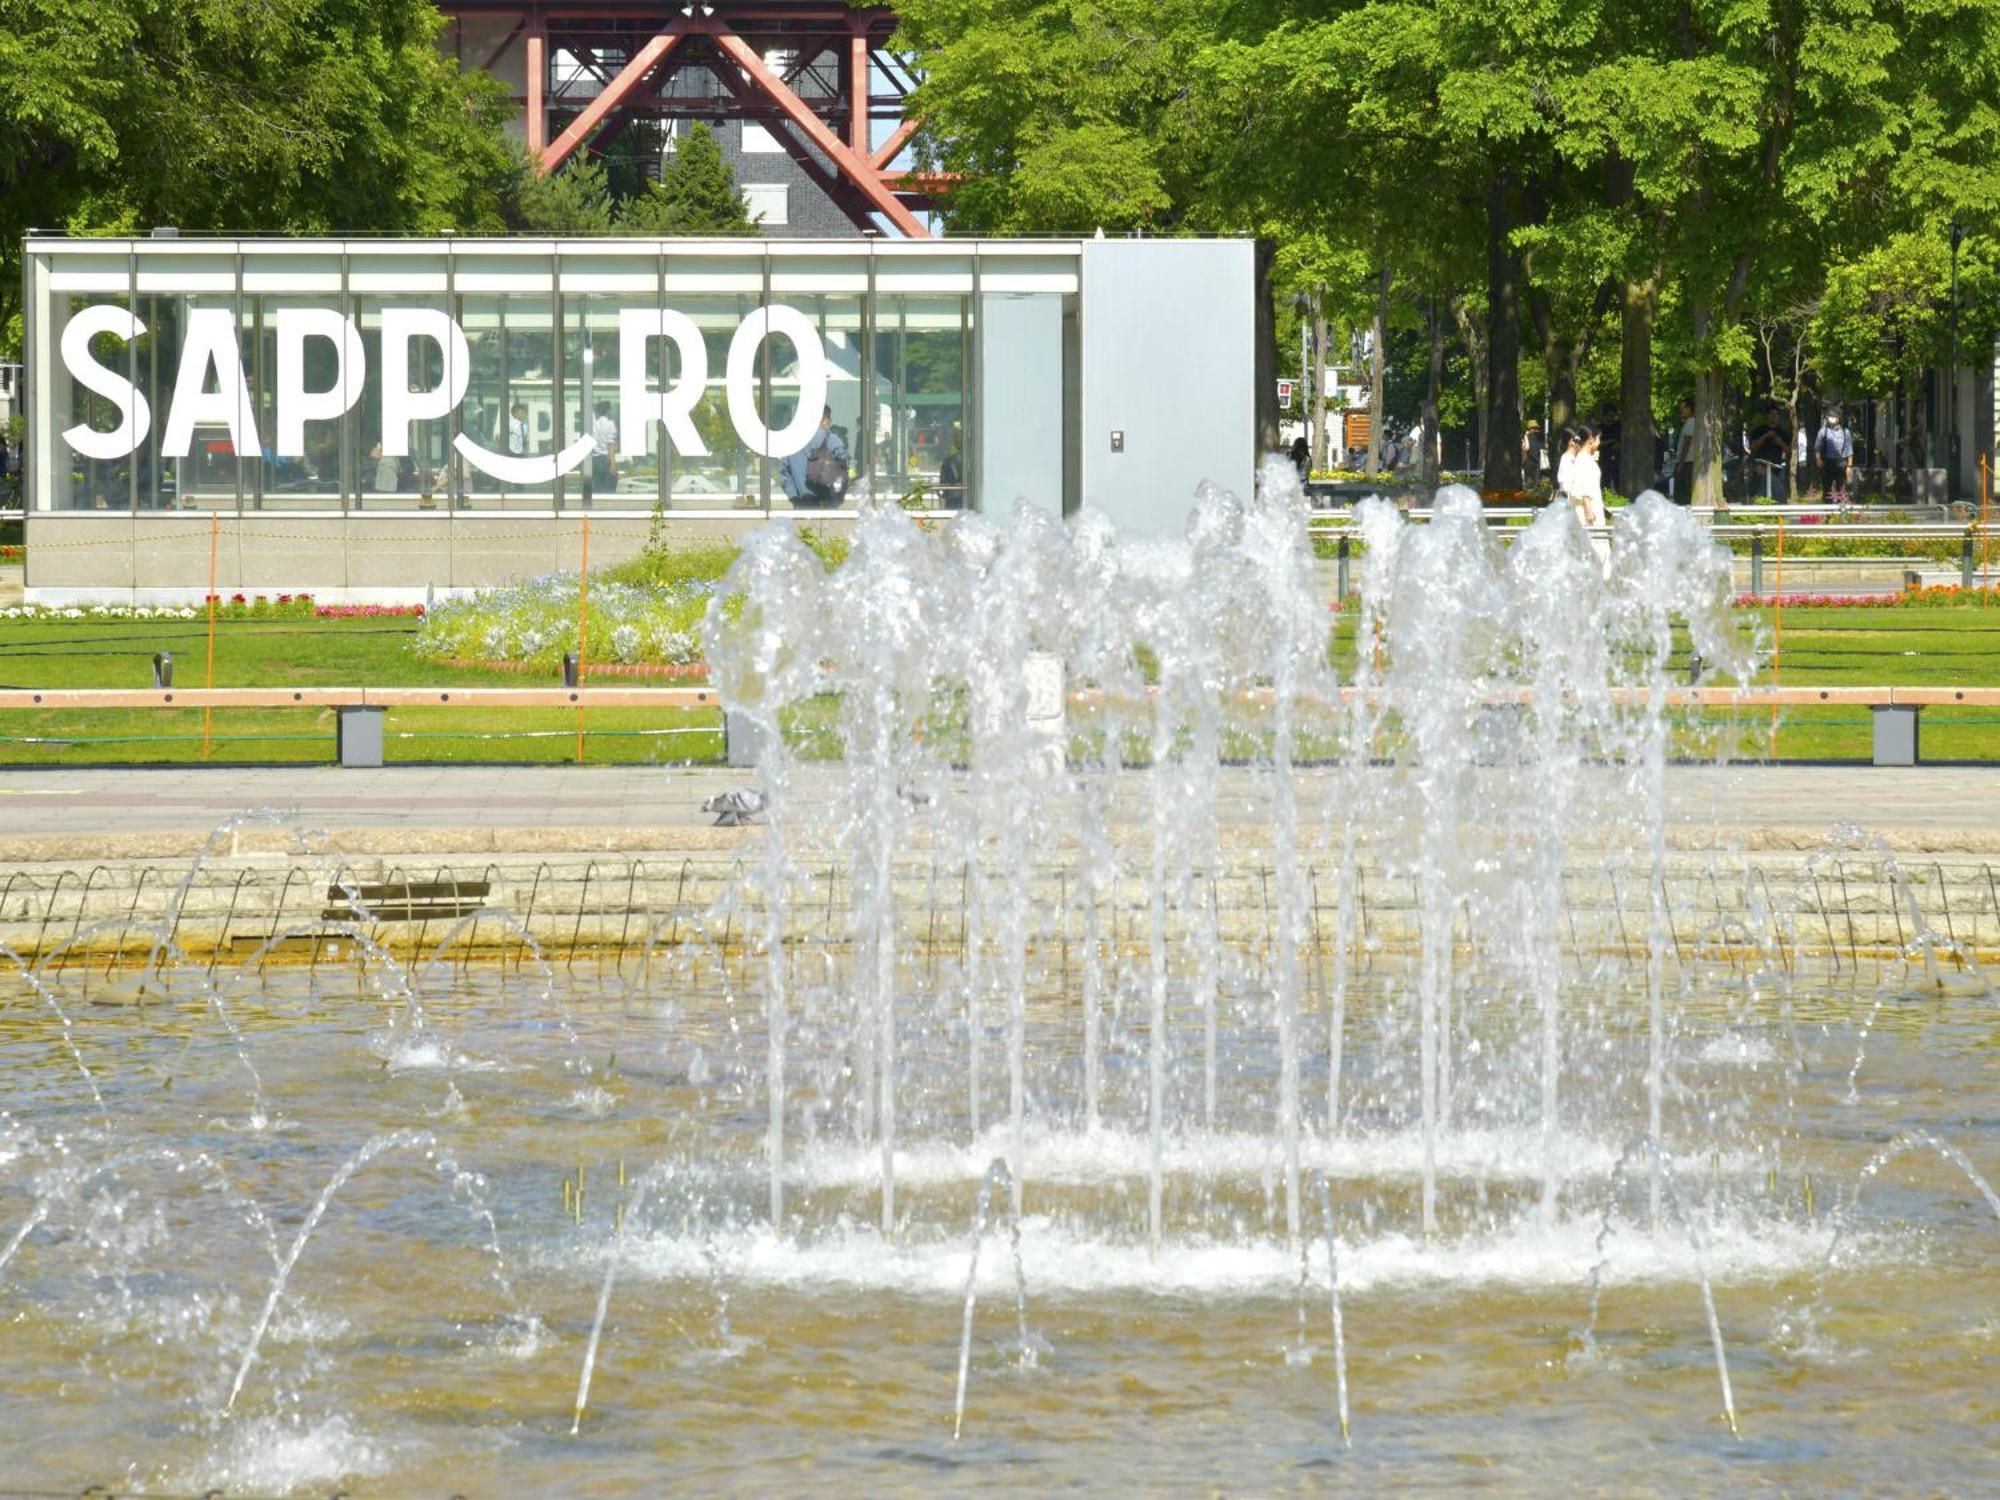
column 1571, row 444
column 1583, row 482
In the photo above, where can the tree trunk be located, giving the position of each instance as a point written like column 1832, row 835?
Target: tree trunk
column 1321, row 447
column 1427, row 473
column 1636, row 438
column 1264, row 359
column 1376, row 368
column 1475, row 356
column 1707, row 417
column 1501, row 466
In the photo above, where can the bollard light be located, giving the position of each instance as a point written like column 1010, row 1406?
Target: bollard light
column 163, row 669
column 569, row 669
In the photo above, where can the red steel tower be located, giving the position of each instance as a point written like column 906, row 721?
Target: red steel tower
column 812, row 79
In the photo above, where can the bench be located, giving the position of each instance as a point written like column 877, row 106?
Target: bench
column 407, row 900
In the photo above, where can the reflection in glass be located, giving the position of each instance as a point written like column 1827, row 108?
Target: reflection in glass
column 511, row 402
column 83, row 482
column 922, row 350
column 311, row 480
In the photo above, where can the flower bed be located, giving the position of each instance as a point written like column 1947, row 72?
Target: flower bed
column 1933, row 597
column 13, row 554
column 534, row 624
column 676, row 670
column 227, row 607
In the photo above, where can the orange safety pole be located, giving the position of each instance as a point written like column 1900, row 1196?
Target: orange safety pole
column 208, row 714
column 582, row 628
column 1985, row 536
column 1777, row 636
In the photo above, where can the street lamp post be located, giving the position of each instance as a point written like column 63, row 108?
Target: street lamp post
column 1951, row 365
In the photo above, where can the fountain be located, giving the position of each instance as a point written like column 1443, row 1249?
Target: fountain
column 1286, row 909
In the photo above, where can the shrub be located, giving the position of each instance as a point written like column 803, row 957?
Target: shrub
column 535, row 623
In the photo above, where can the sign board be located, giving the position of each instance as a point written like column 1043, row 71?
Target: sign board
column 1285, row 393
column 1354, row 432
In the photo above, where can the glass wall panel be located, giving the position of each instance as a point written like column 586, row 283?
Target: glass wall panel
column 922, row 387
column 610, row 478
column 309, row 480
column 429, row 472
column 715, row 293
column 828, row 289
column 86, row 480
column 190, row 459
column 512, row 402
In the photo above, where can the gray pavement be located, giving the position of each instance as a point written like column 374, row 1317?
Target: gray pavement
column 114, row 813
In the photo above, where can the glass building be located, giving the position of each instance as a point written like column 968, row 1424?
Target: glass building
column 498, row 382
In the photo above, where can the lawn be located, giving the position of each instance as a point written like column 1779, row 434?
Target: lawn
column 1910, row 645
column 302, row 652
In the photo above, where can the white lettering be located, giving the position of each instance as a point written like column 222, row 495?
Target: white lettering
column 297, row 405
column 211, row 353
column 400, row 405
column 639, row 405
column 740, row 382
column 135, row 417
column 210, row 340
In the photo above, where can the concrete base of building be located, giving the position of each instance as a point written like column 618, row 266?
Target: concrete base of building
column 356, row 558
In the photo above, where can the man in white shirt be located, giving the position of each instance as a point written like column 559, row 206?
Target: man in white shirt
column 604, row 462
column 517, row 431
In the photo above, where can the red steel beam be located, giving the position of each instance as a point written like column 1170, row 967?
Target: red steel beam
column 851, row 165
column 538, row 72
column 886, row 152
column 857, row 92
column 927, row 183
column 838, row 190
column 614, row 94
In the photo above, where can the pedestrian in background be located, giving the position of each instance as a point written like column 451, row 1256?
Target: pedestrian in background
column 1770, row 448
column 604, row 462
column 1684, row 457
column 1833, row 446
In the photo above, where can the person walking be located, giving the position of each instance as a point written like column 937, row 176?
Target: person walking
column 604, row 462
column 1583, row 484
column 1833, row 446
column 1684, row 457
column 517, row 430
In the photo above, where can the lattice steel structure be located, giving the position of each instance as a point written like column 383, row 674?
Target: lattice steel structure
column 816, row 75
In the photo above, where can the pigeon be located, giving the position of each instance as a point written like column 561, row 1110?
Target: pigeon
column 734, row 807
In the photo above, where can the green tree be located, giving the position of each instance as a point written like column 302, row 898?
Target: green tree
column 1763, row 135
column 696, row 194
column 309, row 116
column 1058, row 116
column 575, row 199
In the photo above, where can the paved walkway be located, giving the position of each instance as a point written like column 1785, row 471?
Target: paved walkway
column 73, row 814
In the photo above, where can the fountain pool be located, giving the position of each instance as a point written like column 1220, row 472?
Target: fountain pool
column 1239, row 1086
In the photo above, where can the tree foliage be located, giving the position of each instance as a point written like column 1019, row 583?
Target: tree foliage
column 309, row 116
column 696, row 194
column 1596, row 172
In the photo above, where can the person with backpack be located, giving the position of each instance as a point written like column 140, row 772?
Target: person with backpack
column 815, row 477
column 1833, row 446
